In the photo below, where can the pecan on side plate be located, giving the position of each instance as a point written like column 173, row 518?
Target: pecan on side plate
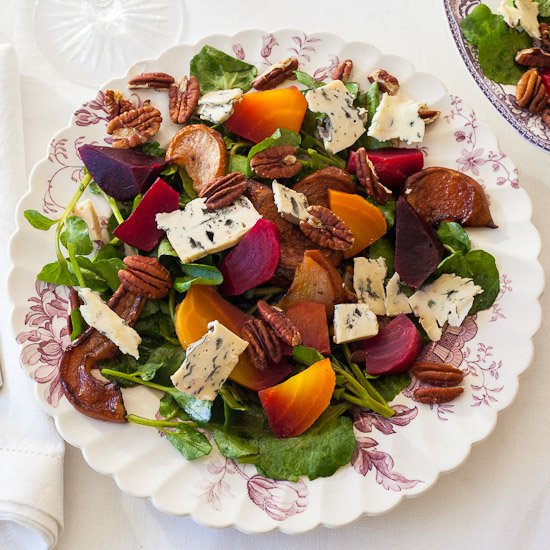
column 134, row 127
column 533, row 57
column 154, row 81
column 183, row 98
column 276, row 74
column 283, row 327
column 366, row 176
column 433, row 396
column 343, row 70
column 428, row 115
column 437, row 374
column 222, row 191
column 530, row 92
column 277, row 162
column 386, row 81
column 326, row 229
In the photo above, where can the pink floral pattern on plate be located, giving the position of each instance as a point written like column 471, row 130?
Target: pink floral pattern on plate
column 42, row 330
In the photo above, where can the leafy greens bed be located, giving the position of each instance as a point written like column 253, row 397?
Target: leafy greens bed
column 261, row 413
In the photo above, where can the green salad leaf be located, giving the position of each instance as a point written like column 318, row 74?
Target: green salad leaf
column 497, row 44
column 453, row 237
column 318, row 452
column 370, row 100
column 216, row 70
column 390, row 386
column 76, row 233
column 383, row 248
column 479, row 266
column 544, row 8
column 198, row 274
column 189, row 442
column 232, row 445
column 308, row 81
column 38, row 220
column 281, row 136
column 153, row 149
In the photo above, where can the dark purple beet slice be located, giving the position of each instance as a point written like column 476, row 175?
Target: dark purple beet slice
column 140, row 229
column 121, row 173
column 394, row 349
column 418, row 251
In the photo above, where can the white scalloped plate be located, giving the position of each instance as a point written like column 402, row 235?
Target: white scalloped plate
column 395, row 458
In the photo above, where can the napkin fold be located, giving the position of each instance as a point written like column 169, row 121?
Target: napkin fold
column 31, row 451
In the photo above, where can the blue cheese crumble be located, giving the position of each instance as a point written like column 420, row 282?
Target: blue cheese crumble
column 368, row 283
column 217, row 107
column 353, row 322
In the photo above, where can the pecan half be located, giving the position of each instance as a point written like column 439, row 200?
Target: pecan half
column 183, row 98
column 530, row 92
column 366, row 176
column 283, row 327
column 277, row 162
column 155, row 81
column 116, row 103
column 343, row 70
column 146, row 277
column 326, row 229
column 533, row 57
column 386, row 81
column 264, row 346
column 544, row 38
column 134, row 127
column 222, row 191
column 428, row 115
column 437, row 374
column 432, row 396
column 276, row 74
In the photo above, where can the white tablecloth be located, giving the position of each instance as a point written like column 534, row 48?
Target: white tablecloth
column 500, row 498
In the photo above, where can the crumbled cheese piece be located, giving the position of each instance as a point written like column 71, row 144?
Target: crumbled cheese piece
column 85, row 210
column 509, row 12
column 344, row 124
column 290, row 204
column 368, row 283
column 448, row 299
column 208, row 362
column 217, row 107
column 100, row 316
column 396, row 300
column 397, row 118
column 196, row 231
column 528, row 17
column 353, row 322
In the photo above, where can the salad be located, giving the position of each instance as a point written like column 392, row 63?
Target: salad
column 277, row 266
column 513, row 47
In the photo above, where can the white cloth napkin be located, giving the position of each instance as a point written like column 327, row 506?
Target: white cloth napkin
column 31, row 451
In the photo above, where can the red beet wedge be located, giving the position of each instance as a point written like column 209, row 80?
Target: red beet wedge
column 121, row 173
column 253, row 261
column 418, row 251
column 140, row 229
column 393, row 165
column 394, row 349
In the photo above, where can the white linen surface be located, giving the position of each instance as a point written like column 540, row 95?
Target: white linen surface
column 500, row 498
column 31, row 451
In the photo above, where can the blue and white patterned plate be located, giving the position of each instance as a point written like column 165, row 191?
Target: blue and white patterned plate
column 531, row 127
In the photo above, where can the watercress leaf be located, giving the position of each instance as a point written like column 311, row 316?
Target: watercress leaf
column 125, row 364
column 38, row 220
column 168, row 408
column 108, row 271
column 77, row 323
column 208, row 273
column 306, row 356
column 166, row 249
column 479, row 266
column 170, row 170
column 57, row 273
column 391, row 385
column 383, row 248
column 281, row 136
column 199, row 410
column 94, row 188
column 189, row 442
column 544, row 8
column 162, row 362
column 232, row 445
column 153, row 149
column 76, row 233
column 187, row 183
column 319, row 452
column 308, row 81
column 352, row 88
column 388, row 209
column 239, row 163
column 453, row 237
column 216, row 70
column 478, row 23
column 107, row 252
column 497, row 51
column 91, row 278
column 232, row 396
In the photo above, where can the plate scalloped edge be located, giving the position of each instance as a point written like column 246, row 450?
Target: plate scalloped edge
column 292, row 508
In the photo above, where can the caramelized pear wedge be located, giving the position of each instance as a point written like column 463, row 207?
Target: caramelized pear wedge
column 316, row 185
column 441, row 194
column 201, row 151
column 88, row 395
